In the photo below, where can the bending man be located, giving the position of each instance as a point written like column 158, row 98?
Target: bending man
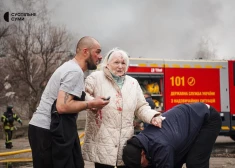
column 187, row 136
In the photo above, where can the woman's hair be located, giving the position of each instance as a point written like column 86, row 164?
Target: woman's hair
column 110, row 54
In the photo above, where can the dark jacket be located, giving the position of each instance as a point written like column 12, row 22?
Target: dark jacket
column 151, row 103
column 166, row 146
column 8, row 119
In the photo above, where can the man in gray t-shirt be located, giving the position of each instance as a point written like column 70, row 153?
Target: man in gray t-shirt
column 56, row 114
column 69, row 78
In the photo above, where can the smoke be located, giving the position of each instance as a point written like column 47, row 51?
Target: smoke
column 151, row 28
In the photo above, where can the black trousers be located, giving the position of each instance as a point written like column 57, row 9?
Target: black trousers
column 66, row 149
column 98, row 165
column 8, row 135
column 40, row 143
column 199, row 154
column 58, row 147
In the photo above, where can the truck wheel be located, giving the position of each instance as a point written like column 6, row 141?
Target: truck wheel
column 232, row 137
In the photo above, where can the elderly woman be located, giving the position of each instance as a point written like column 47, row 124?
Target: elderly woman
column 108, row 129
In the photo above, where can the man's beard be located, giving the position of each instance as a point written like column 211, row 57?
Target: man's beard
column 90, row 64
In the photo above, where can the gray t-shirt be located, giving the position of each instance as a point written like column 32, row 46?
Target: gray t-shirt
column 69, row 78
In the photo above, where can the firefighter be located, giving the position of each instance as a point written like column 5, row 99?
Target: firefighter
column 8, row 119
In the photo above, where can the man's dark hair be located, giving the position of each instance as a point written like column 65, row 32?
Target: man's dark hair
column 132, row 153
column 86, row 41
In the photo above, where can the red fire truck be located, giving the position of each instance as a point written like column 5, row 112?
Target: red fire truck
column 172, row 82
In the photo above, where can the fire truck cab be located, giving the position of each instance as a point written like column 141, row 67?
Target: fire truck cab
column 173, row 82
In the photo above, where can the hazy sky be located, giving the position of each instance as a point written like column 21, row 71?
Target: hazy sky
column 151, row 28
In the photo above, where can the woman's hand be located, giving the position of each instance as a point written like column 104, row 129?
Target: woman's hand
column 157, row 121
column 97, row 103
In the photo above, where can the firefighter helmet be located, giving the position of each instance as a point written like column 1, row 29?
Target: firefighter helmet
column 156, row 102
column 9, row 108
column 152, row 87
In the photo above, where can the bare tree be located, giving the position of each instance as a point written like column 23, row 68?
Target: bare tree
column 34, row 51
column 5, row 30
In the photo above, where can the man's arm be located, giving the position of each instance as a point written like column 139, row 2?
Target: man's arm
column 3, row 118
column 66, row 103
column 17, row 118
column 143, row 110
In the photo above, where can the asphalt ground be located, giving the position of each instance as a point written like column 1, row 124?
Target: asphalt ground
column 22, row 143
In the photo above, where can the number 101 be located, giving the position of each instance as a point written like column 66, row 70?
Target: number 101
column 177, row 81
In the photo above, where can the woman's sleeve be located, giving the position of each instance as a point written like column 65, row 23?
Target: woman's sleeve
column 90, row 84
column 143, row 110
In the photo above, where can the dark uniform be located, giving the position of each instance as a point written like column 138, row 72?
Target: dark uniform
column 8, row 119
